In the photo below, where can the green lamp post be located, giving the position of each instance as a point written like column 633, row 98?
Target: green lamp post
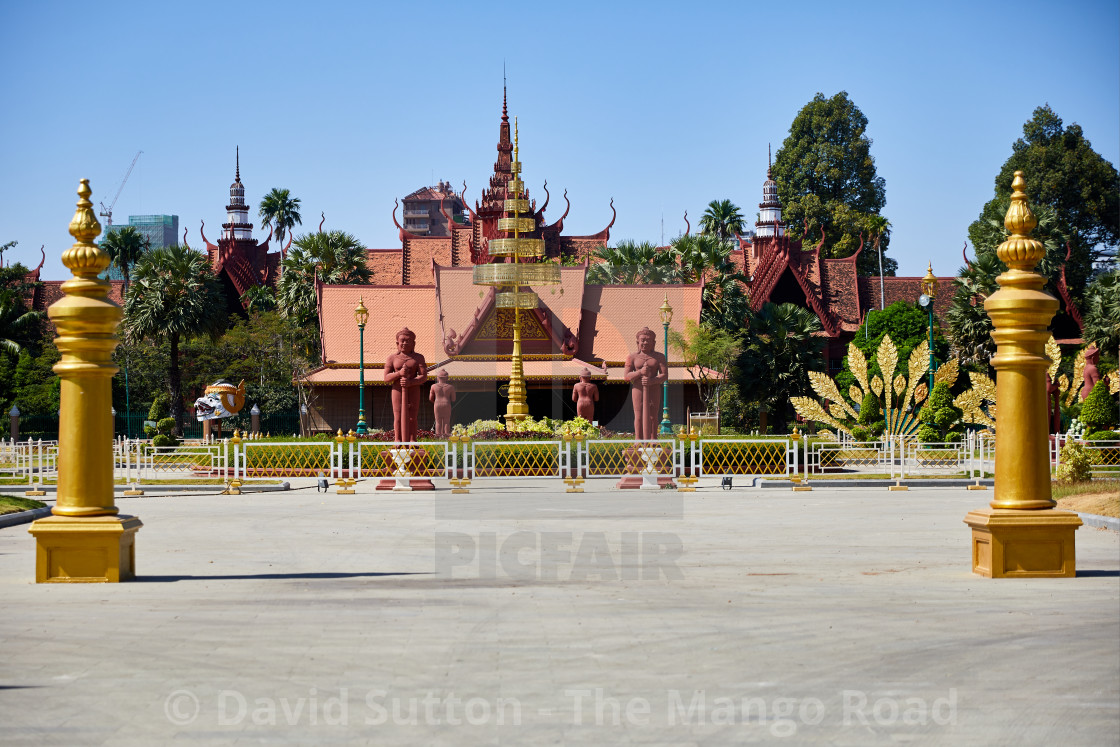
column 929, row 292
column 361, row 316
column 666, row 313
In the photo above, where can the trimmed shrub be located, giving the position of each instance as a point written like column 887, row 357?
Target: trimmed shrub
column 1103, row 436
column 1076, row 464
column 1098, row 411
column 954, row 436
column 859, row 434
column 165, row 425
column 877, row 428
column 163, row 439
column 161, row 407
column 938, row 413
column 928, row 434
column 869, row 410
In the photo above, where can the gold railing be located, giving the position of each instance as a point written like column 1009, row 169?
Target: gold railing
column 521, row 246
column 743, row 457
column 545, row 273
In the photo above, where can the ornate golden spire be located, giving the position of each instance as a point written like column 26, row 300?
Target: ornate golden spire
column 85, row 259
column 1020, row 252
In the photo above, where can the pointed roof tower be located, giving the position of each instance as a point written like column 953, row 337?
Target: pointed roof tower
column 769, row 221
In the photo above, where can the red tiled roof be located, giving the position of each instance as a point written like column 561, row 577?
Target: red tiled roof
column 391, row 308
column 613, row 314
column 385, row 264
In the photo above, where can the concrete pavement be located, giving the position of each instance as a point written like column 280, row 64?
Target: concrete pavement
column 519, row 614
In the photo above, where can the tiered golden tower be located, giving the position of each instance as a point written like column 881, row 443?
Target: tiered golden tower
column 509, row 276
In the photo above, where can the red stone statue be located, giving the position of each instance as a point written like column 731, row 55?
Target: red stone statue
column 646, row 370
column 1053, row 397
column 406, row 370
column 1091, row 374
column 585, row 395
column 441, row 396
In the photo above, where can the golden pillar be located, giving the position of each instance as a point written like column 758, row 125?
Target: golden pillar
column 84, row 539
column 1022, row 534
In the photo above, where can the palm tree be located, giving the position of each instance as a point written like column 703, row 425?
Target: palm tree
column 16, row 322
column 723, row 219
column 125, row 246
column 280, row 208
column 706, row 257
column 174, row 296
column 335, row 258
column 782, row 345
column 970, row 327
column 879, row 227
column 259, row 298
column 632, row 263
column 1102, row 312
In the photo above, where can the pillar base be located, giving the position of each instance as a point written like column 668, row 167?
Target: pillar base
column 85, row 549
column 404, row 483
column 1012, row 543
column 636, row 482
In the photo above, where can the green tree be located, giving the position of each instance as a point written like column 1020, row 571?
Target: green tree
column 280, row 210
column 711, row 352
column 37, row 386
column 826, row 178
column 781, row 346
column 1064, row 173
column 174, row 297
column 632, row 263
column 1101, row 320
column 334, row 257
column 125, row 246
column 722, row 219
column 18, row 326
column 908, row 326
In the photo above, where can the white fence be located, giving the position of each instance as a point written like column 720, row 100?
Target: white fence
column 36, row 461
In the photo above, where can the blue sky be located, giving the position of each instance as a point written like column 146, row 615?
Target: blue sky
column 663, row 106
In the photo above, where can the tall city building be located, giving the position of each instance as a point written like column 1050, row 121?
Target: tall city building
column 159, row 230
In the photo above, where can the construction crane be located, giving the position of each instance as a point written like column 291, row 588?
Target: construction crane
column 107, row 212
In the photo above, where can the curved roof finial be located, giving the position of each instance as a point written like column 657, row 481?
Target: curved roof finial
column 964, row 250
column 323, row 216
column 202, row 230
column 687, row 225
column 559, row 225
column 42, row 250
column 185, row 236
column 395, row 223
column 547, row 197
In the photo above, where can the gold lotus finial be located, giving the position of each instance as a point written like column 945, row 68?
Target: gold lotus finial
column 84, row 258
column 1020, row 252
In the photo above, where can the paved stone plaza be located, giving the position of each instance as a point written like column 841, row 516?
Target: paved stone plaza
column 519, row 615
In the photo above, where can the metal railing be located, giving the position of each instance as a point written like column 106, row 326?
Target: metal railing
column 720, row 457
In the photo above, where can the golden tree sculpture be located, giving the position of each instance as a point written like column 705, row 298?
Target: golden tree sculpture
column 900, row 396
